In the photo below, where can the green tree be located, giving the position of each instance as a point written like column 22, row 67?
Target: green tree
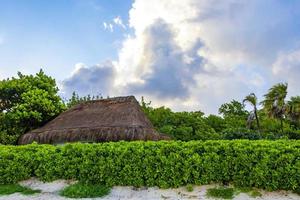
column 252, row 99
column 180, row 125
column 216, row 122
column 234, row 114
column 233, row 108
column 27, row 102
column 293, row 110
column 274, row 103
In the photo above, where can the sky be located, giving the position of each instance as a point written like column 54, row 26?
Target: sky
column 186, row 55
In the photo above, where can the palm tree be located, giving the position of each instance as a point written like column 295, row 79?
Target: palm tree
column 293, row 109
column 274, row 103
column 252, row 99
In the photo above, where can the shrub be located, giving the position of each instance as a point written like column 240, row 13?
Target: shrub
column 241, row 133
column 5, row 138
column 262, row 164
column 293, row 134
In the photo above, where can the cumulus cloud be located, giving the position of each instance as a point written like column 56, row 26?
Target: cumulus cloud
column 94, row 80
column 164, row 69
column 287, row 68
column 197, row 54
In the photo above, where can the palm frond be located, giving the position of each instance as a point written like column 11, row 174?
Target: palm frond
column 251, row 98
column 274, row 102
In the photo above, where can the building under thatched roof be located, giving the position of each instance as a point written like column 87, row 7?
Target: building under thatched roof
column 112, row 119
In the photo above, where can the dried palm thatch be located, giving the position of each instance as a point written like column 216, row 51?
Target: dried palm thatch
column 113, row 119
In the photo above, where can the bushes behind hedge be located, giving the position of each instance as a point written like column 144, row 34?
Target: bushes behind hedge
column 268, row 165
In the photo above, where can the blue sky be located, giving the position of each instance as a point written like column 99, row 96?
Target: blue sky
column 187, row 55
column 57, row 34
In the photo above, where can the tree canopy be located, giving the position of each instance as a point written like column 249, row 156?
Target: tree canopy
column 27, row 102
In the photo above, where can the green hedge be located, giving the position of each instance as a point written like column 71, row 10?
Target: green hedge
column 269, row 165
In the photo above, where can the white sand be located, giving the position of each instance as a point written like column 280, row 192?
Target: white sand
column 50, row 191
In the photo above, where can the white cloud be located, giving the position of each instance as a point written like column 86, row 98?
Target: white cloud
column 197, row 54
column 162, row 69
column 115, row 22
column 118, row 21
column 187, row 64
column 94, row 80
column 105, row 25
column 108, row 26
column 287, row 68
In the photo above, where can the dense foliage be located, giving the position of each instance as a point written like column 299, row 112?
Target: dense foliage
column 27, row 102
column 273, row 121
column 263, row 164
column 180, row 125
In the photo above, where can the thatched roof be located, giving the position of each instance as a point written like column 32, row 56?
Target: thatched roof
column 112, row 119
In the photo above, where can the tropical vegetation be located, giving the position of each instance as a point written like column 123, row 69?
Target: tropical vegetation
column 29, row 101
column 273, row 118
column 263, row 164
column 252, row 143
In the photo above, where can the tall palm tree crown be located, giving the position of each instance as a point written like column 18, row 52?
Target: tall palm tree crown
column 293, row 109
column 274, row 103
column 252, row 99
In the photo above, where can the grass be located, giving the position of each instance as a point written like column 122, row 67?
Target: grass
column 221, row 193
column 255, row 193
column 250, row 191
column 229, row 193
column 190, row 188
column 14, row 188
column 80, row 190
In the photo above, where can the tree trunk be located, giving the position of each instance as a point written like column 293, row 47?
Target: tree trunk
column 257, row 120
column 281, row 124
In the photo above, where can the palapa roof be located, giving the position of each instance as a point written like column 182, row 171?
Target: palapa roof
column 112, row 119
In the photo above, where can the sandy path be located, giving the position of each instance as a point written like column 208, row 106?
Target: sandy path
column 50, row 191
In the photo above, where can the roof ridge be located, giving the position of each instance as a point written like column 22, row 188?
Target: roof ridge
column 118, row 99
